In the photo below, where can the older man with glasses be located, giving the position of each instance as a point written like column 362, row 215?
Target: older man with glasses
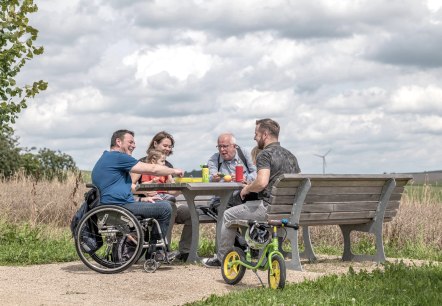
column 224, row 162
column 230, row 155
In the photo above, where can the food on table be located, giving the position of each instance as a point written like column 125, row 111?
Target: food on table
column 227, row 178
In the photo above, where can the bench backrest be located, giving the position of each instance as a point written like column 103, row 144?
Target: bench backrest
column 335, row 199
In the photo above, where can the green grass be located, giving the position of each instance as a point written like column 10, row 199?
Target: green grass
column 410, row 250
column 397, row 285
column 23, row 244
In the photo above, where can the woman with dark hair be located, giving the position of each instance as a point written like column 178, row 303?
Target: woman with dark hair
column 164, row 142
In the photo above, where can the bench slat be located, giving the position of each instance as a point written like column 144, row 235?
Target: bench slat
column 276, row 191
column 330, row 207
column 334, row 218
column 315, row 198
column 329, row 222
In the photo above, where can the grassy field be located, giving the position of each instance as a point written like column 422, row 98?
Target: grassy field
column 396, row 284
column 413, row 233
column 34, row 220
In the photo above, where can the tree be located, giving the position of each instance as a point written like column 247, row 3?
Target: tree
column 9, row 154
column 47, row 164
column 44, row 165
column 16, row 42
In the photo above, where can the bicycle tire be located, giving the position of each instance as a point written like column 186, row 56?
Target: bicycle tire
column 235, row 273
column 278, row 277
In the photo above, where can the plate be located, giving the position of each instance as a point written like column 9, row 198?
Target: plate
column 188, row 179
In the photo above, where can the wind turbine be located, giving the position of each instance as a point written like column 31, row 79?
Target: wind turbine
column 324, row 163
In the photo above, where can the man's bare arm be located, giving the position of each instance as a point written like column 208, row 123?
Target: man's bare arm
column 154, row 169
column 261, row 182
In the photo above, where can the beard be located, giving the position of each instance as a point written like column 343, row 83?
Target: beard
column 260, row 144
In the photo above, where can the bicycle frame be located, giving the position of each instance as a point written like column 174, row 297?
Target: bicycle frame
column 269, row 250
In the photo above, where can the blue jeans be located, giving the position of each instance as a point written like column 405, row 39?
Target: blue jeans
column 161, row 211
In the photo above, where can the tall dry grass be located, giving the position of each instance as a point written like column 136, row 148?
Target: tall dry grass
column 22, row 199
column 419, row 219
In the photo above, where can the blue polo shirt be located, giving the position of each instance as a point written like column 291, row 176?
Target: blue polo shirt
column 111, row 174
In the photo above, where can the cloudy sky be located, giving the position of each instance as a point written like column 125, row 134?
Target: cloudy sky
column 362, row 78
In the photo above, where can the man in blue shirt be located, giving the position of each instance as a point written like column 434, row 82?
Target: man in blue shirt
column 111, row 175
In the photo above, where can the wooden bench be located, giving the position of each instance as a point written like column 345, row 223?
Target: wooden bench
column 354, row 202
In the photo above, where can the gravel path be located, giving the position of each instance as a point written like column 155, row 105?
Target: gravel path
column 72, row 283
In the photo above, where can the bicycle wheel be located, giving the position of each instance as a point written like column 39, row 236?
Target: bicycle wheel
column 233, row 274
column 277, row 278
column 109, row 239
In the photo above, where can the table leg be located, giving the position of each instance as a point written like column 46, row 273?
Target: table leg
column 190, row 199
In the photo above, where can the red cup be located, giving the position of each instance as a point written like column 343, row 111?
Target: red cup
column 239, row 173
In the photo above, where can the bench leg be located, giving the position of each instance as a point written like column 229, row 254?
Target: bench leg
column 308, row 248
column 295, row 262
column 346, row 231
column 374, row 227
column 379, row 256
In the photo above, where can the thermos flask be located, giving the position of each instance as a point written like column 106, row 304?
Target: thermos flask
column 205, row 173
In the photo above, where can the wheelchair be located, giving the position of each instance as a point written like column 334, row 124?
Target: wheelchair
column 109, row 238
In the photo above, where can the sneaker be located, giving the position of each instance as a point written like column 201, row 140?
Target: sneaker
column 171, row 256
column 182, row 257
column 211, row 262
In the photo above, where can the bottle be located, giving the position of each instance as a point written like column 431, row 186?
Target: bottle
column 205, row 173
column 239, row 173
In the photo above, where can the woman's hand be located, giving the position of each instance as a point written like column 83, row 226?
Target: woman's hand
column 151, row 193
column 150, row 199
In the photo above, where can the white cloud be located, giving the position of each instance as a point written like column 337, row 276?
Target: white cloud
column 418, row 99
column 180, row 62
column 258, row 104
column 361, row 77
column 434, row 5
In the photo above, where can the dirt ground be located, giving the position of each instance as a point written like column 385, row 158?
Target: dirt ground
column 73, row 283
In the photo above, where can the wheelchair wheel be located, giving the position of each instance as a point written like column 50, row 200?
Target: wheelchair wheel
column 109, row 239
column 277, row 279
column 233, row 274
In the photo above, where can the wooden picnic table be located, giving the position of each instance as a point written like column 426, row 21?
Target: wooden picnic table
column 190, row 191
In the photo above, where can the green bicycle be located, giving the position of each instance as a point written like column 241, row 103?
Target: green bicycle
column 271, row 259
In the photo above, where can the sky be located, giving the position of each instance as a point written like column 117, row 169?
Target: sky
column 362, row 78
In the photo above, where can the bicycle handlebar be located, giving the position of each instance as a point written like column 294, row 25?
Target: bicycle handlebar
column 281, row 223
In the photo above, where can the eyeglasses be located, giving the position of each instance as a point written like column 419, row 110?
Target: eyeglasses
column 220, row 147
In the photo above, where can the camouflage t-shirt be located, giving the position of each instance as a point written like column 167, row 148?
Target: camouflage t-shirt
column 279, row 160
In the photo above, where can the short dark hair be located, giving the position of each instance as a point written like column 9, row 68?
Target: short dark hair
column 119, row 135
column 269, row 125
column 158, row 138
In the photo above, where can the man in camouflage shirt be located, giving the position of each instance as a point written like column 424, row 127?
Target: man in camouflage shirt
column 271, row 162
